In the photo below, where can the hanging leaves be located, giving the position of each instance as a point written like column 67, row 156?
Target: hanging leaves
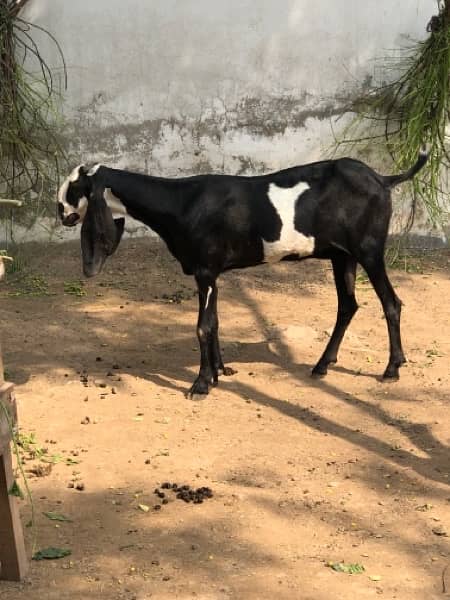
column 412, row 111
column 30, row 148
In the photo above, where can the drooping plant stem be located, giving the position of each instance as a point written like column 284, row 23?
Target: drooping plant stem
column 412, row 111
column 30, row 148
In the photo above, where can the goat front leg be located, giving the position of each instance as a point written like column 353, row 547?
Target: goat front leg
column 207, row 298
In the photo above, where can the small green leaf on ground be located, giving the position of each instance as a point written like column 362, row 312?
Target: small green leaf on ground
column 51, row 553
column 424, row 507
column 54, row 459
column 53, row 516
column 74, row 288
column 15, row 490
column 350, row 568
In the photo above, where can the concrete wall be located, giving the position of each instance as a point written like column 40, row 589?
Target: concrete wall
column 172, row 87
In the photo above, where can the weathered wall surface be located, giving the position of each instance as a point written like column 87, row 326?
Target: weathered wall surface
column 172, row 87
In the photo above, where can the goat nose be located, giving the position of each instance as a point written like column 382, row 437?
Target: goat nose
column 71, row 219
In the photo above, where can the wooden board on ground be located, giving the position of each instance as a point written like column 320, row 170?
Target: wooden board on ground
column 13, row 562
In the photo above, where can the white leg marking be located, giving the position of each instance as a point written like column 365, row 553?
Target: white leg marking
column 291, row 241
column 207, row 296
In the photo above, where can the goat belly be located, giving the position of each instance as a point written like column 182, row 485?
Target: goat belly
column 291, row 241
column 242, row 252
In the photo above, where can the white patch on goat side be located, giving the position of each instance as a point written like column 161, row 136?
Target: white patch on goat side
column 207, row 296
column 291, row 241
column 115, row 205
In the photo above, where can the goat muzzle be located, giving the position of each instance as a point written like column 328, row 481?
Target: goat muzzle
column 71, row 220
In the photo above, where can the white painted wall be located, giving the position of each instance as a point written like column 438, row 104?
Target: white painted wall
column 173, row 87
column 189, row 62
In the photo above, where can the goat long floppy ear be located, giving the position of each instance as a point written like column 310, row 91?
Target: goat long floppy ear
column 100, row 233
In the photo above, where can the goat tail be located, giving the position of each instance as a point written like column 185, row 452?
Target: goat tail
column 393, row 180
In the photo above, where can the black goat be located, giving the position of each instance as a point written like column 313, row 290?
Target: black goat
column 334, row 209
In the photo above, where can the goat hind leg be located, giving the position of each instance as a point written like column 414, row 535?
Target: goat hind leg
column 392, row 305
column 344, row 270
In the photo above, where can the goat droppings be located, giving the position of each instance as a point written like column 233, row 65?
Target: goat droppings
column 185, row 493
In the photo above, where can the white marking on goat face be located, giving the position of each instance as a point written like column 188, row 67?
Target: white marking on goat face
column 291, row 241
column 62, row 192
column 207, row 296
column 66, row 209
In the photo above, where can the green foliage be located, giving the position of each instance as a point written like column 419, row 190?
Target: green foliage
column 16, row 265
column 51, row 553
column 350, row 568
column 15, row 490
column 33, row 286
column 30, row 148
column 74, row 288
column 28, row 443
column 411, row 112
column 16, row 437
column 402, row 260
column 53, row 516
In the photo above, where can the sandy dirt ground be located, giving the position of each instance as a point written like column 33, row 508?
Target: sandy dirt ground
column 303, row 472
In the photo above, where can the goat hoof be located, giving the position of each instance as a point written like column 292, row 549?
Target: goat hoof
column 321, row 369
column 319, row 373
column 196, row 397
column 200, row 388
column 390, row 377
column 391, row 373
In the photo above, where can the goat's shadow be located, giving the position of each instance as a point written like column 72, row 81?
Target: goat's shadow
column 180, row 377
column 173, row 365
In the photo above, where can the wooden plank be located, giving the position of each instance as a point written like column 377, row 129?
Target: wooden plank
column 2, row 371
column 13, row 560
column 8, row 403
